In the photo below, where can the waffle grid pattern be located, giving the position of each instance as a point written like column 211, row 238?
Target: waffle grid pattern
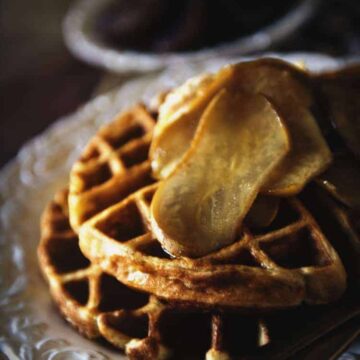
column 100, row 306
column 292, row 255
column 113, row 165
column 106, row 293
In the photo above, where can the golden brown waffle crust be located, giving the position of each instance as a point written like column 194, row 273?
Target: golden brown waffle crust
column 84, row 323
column 211, row 281
column 113, row 165
column 89, row 319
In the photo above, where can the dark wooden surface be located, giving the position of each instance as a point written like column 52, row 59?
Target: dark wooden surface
column 39, row 79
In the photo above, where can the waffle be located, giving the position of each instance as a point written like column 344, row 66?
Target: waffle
column 145, row 327
column 242, row 275
column 92, row 301
column 99, row 306
column 279, row 266
column 113, row 164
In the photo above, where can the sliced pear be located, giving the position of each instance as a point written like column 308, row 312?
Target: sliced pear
column 179, row 116
column 263, row 211
column 179, row 100
column 169, row 147
column 342, row 93
column 288, row 89
column 199, row 208
column 308, row 157
column 286, row 86
column 278, row 80
column 342, row 179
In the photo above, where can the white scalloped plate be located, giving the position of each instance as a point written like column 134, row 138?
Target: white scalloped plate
column 30, row 326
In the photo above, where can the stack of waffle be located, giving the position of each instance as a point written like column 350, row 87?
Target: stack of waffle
column 262, row 296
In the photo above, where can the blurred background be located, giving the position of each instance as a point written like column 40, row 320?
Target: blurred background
column 41, row 80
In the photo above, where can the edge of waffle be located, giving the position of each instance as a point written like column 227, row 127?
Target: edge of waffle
column 251, row 274
column 113, row 164
column 92, row 312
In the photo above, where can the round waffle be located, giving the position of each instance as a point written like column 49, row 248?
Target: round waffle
column 145, row 327
column 281, row 265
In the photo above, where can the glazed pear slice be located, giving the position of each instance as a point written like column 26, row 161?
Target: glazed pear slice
column 169, row 147
column 309, row 155
column 178, row 118
column 341, row 90
column 263, row 211
column 288, row 89
column 342, row 179
column 200, row 207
